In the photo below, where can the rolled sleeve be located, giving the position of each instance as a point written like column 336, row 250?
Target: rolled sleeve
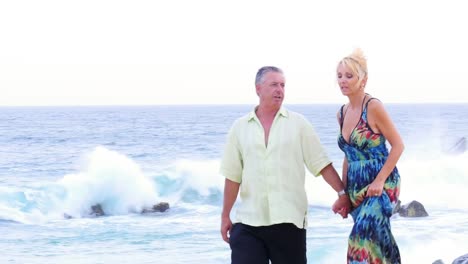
column 315, row 156
column 231, row 163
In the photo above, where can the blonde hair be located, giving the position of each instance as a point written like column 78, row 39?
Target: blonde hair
column 357, row 63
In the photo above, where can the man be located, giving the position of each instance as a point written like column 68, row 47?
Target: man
column 264, row 158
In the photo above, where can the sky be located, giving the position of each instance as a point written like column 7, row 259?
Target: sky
column 111, row 52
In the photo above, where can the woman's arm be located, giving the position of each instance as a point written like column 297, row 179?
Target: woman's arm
column 344, row 175
column 381, row 123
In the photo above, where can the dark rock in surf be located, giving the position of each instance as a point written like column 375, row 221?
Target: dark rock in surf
column 461, row 260
column 413, row 209
column 96, row 210
column 397, row 207
column 458, row 148
column 160, row 207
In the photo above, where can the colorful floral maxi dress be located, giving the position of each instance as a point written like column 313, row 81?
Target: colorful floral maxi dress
column 371, row 240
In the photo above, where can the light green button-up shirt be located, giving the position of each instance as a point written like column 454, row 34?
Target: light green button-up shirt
column 272, row 177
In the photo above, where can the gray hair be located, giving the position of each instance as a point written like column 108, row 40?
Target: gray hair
column 264, row 70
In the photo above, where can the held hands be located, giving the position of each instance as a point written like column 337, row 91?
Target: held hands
column 226, row 226
column 342, row 206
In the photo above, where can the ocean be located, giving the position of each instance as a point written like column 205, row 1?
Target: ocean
column 60, row 161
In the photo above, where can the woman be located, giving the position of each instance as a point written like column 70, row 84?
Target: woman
column 369, row 169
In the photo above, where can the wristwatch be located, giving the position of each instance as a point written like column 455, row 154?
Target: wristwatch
column 342, row 192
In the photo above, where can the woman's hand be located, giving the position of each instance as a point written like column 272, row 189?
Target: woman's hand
column 375, row 188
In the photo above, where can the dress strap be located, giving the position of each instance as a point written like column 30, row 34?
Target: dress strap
column 363, row 100
column 364, row 111
column 372, row 98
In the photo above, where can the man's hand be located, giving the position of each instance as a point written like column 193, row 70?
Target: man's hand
column 342, row 206
column 226, row 226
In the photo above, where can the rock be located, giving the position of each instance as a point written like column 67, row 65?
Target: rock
column 458, row 148
column 96, row 210
column 397, row 207
column 439, row 261
column 461, row 260
column 413, row 209
column 67, row 216
column 159, row 207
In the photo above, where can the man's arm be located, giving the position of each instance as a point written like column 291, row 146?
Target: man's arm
column 332, row 178
column 343, row 204
column 231, row 190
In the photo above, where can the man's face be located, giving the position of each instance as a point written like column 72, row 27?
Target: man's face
column 271, row 90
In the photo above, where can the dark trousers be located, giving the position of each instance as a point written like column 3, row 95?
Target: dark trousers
column 281, row 243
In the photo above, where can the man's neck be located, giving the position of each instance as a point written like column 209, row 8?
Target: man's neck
column 266, row 112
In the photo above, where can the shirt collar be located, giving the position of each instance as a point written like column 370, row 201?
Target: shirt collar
column 281, row 112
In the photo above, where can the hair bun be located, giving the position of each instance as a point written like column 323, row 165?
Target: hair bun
column 358, row 56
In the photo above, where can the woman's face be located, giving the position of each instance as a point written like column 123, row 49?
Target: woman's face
column 347, row 80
